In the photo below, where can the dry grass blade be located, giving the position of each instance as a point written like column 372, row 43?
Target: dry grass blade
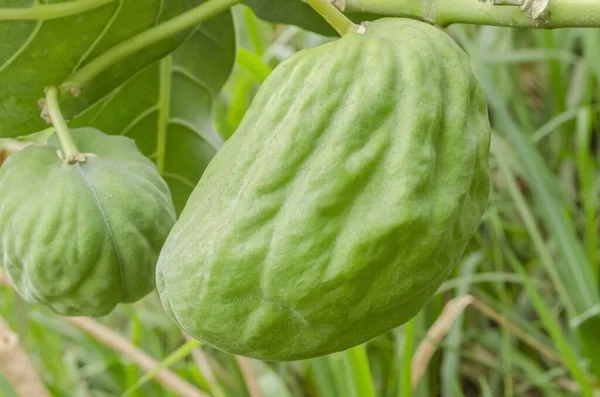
column 201, row 362
column 116, row 342
column 16, row 366
column 248, row 374
column 573, row 387
column 451, row 312
column 435, row 334
column 205, row 368
column 245, row 365
column 3, row 279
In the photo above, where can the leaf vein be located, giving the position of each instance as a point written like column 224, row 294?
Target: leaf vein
column 100, row 36
column 192, row 128
column 179, row 178
column 23, row 47
column 137, row 119
column 107, row 101
column 161, row 8
column 190, row 76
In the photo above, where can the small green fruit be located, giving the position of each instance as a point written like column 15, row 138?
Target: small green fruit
column 342, row 202
column 83, row 237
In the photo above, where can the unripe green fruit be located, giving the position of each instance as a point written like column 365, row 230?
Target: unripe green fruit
column 340, row 205
column 81, row 238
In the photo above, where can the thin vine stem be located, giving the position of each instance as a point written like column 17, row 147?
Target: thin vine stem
column 59, row 123
column 145, row 39
column 44, row 12
column 333, row 16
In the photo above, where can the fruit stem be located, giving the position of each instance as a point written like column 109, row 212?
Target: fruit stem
column 187, row 20
column 62, row 130
column 333, row 16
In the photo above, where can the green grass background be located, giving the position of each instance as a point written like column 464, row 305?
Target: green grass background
column 512, row 319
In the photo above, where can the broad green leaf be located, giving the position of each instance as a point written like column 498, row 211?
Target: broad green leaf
column 44, row 49
column 297, row 12
column 167, row 107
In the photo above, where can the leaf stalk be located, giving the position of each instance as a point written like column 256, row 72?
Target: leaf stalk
column 144, row 40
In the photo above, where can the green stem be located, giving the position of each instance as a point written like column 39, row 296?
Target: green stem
column 559, row 14
column 164, row 109
column 145, row 39
column 59, row 123
column 44, row 12
column 406, row 385
column 333, row 16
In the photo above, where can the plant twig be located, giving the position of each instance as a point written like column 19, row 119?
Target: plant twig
column 16, row 365
column 557, row 14
column 116, row 342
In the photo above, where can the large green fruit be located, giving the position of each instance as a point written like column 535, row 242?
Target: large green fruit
column 341, row 204
column 81, row 238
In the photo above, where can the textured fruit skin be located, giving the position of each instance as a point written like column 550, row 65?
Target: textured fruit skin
column 340, row 205
column 81, row 238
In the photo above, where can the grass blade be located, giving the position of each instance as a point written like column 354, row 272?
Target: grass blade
column 358, row 362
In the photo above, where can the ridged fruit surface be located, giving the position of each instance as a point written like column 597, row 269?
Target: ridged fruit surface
column 81, row 238
column 343, row 201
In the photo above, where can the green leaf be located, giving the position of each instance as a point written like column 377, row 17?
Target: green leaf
column 293, row 12
column 44, row 48
column 167, row 107
column 6, row 388
column 296, row 12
